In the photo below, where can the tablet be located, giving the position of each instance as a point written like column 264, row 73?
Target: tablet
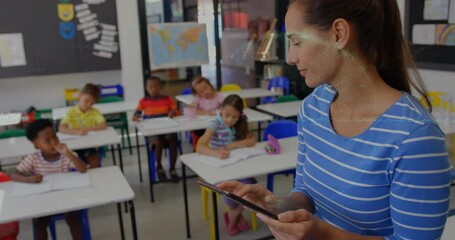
column 238, row 199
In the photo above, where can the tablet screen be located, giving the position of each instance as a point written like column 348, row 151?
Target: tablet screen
column 238, row 199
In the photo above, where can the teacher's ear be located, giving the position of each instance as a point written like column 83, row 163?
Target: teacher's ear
column 341, row 31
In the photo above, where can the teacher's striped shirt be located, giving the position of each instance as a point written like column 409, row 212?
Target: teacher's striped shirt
column 392, row 180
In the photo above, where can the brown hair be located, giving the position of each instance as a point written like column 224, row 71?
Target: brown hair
column 241, row 126
column 380, row 36
column 92, row 90
column 199, row 79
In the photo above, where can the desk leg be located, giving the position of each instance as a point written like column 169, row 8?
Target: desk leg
column 138, row 155
column 113, row 155
column 185, row 199
column 215, row 214
column 152, row 197
column 259, row 131
column 120, row 220
column 133, row 219
column 119, row 148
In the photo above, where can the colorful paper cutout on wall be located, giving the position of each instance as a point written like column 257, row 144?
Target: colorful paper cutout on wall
column 65, row 11
column 67, row 30
column 445, row 35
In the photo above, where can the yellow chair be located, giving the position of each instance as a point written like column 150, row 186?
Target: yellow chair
column 232, row 87
column 71, row 96
column 205, row 194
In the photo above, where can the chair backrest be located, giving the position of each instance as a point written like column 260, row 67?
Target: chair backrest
column 43, row 114
column 281, row 129
column 4, row 177
column 111, row 90
column 110, row 99
column 19, row 132
column 71, row 96
column 287, row 98
column 233, row 87
column 279, row 82
column 186, row 91
column 230, row 87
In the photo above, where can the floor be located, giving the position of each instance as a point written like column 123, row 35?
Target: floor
column 163, row 219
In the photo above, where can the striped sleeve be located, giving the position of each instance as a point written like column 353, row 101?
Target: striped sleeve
column 299, row 185
column 140, row 106
column 26, row 165
column 420, row 186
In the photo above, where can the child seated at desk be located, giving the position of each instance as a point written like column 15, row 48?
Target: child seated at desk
column 83, row 118
column 156, row 105
column 227, row 132
column 206, row 101
column 52, row 157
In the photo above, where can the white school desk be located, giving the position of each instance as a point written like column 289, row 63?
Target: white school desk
column 21, row 146
column 104, row 108
column 243, row 93
column 283, row 110
column 10, row 119
column 107, row 185
column 185, row 124
column 255, row 166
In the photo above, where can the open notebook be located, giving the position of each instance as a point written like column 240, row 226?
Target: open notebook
column 235, row 156
column 52, row 182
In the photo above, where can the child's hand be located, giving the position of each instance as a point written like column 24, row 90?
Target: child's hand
column 37, row 178
column 61, row 148
column 222, row 153
column 172, row 114
column 136, row 118
column 82, row 132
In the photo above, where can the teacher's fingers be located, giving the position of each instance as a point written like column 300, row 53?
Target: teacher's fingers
column 295, row 216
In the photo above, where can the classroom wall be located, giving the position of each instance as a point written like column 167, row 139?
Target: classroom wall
column 47, row 91
column 434, row 80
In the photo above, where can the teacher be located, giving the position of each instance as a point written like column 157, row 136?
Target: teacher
column 371, row 163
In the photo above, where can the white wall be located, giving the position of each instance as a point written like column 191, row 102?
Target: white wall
column 47, row 91
column 443, row 81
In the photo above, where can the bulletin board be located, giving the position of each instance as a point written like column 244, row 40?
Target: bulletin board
column 430, row 27
column 58, row 36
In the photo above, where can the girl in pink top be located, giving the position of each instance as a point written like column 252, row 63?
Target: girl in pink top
column 206, row 99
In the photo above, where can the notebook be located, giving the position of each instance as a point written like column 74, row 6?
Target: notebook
column 52, row 182
column 234, row 156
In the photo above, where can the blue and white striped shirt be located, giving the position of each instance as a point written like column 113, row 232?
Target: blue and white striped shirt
column 392, row 180
column 223, row 135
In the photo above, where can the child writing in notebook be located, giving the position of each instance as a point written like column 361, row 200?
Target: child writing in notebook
column 227, row 132
column 156, row 105
column 51, row 157
column 83, row 118
column 206, row 101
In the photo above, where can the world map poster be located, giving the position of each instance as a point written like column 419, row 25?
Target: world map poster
column 174, row 45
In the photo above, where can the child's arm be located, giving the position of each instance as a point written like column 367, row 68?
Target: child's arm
column 20, row 177
column 97, row 127
column 64, row 128
column 249, row 141
column 78, row 164
column 202, row 112
column 173, row 108
column 204, row 148
column 137, row 115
